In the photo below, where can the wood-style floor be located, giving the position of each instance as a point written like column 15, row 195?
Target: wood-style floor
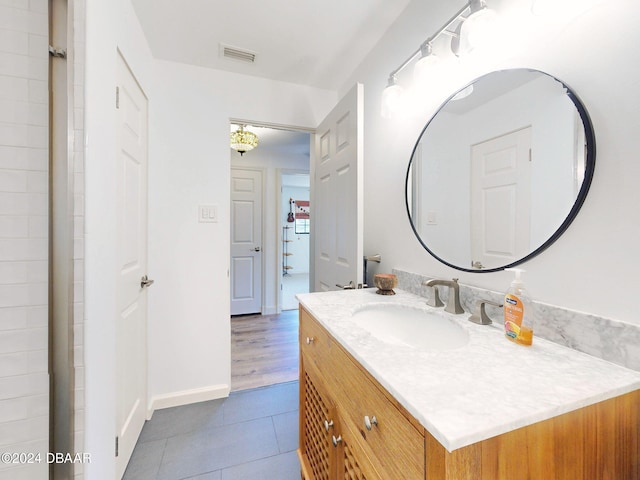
column 264, row 349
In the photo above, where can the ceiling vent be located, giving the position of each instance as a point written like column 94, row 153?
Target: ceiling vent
column 238, row 54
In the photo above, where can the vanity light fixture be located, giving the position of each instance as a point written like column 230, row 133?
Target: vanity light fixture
column 478, row 19
column 243, row 140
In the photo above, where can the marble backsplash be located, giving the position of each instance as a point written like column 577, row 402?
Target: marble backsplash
column 611, row 340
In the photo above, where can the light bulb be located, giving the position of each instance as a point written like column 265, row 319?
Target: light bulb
column 478, row 29
column 391, row 99
column 425, row 67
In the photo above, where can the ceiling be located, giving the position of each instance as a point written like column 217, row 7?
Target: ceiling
column 316, row 43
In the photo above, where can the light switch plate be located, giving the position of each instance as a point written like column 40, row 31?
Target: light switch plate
column 208, row 213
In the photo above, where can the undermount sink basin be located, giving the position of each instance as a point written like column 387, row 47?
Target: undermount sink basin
column 407, row 326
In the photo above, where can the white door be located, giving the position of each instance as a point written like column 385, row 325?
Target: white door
column 336, row 210
column 246, row 241
column 500, row 199
column 131, row 328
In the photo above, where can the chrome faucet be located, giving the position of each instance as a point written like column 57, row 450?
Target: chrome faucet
column 480, row 315
column 453, row 302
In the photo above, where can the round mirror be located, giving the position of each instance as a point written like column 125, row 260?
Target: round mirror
column 500, row 171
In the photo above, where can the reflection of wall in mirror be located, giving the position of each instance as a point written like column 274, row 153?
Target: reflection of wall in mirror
column 446, row 146
column 444, row 192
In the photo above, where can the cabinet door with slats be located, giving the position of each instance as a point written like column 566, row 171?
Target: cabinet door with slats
column 353, row 464
column 317, row 420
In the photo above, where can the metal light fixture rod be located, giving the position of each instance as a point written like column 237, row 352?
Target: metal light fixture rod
column 429, row 40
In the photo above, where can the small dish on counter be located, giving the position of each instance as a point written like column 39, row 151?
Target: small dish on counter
column 385, row 282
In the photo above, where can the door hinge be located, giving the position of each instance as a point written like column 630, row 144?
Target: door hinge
column 117, row 97
column 57, row 52
column 117, row 446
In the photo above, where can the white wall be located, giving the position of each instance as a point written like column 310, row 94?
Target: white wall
column 189, row 112
column 594, row 266
column 189, row 165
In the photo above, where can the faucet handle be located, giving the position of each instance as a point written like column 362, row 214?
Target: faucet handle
column 350, row 286
column 480, row 315
column 434, row 300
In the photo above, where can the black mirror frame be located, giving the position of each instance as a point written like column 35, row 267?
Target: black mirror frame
column 590, row 163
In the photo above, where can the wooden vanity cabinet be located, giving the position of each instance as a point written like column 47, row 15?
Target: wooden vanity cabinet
column 597, row 442
column 336, row 440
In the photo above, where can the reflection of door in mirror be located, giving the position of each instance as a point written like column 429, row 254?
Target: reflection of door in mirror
column 500, row 199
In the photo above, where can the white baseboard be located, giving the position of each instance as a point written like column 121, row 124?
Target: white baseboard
column 186, row 397
column 269, row 310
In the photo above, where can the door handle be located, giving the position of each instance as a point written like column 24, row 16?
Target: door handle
column 257, row 249
column 351, row 286
column 145, row 282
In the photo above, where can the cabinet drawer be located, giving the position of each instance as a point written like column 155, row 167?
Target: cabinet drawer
column 315, row 342
column 396, row 446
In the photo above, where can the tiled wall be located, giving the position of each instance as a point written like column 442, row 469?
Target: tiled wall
column 24, row 163
column 78, row 225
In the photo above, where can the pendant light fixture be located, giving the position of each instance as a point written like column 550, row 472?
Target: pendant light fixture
column 243, row 140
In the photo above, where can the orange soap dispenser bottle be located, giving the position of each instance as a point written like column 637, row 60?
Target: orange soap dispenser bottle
column 518, row 311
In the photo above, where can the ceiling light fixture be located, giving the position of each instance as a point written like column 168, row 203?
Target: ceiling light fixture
column 243, row 140
column 464, row 38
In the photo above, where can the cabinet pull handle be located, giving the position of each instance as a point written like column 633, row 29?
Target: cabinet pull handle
column 328, row 424
column 368, row 422
column 310, row 340
column 335, row 440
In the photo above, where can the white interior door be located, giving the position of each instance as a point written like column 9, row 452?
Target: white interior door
column 131, row 328
column 337, row 210
column 500, row 199
column 246, row 241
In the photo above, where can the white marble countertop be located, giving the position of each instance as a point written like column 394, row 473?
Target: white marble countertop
column 488, row 387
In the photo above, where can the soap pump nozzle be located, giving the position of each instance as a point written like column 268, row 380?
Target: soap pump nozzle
column 517, row 271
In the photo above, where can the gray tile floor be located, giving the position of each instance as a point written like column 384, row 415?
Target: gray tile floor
column 253, row 434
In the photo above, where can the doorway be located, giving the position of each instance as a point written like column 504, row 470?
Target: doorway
column 264, row 345
column 296, row 229
column 280, row 151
